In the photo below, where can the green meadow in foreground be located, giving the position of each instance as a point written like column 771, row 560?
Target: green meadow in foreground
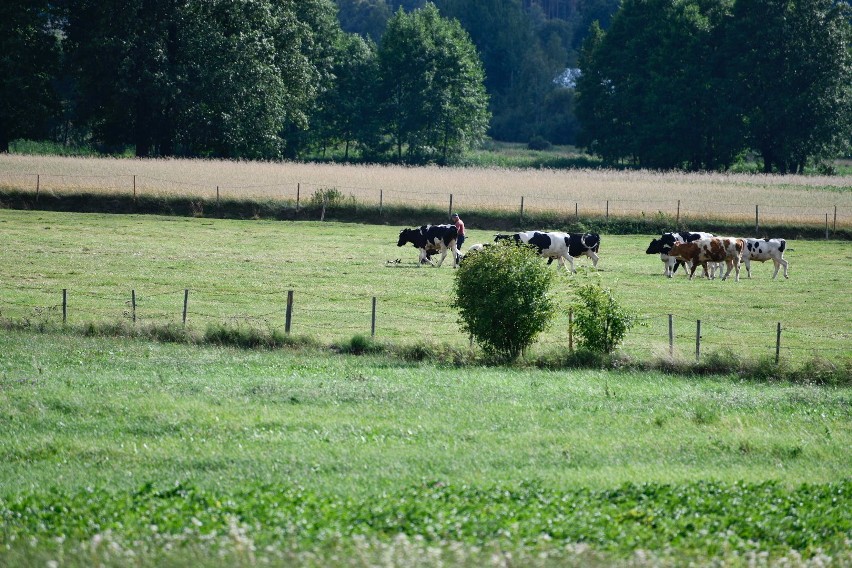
column 124, row 451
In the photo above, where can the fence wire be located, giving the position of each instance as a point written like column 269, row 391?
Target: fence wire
column 331, row 317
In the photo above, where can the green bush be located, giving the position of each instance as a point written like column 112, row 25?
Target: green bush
column 501, row 294
column 600, row 320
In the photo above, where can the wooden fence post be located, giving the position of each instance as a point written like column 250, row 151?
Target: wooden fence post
column 298, row 188
column 677, row 218
column 576, row 212
column 570, row 330
column 757, row 220
column 381, row 202
column 289, row 318
column 607, row 210
column 778, row 343
column 38, row 185
column 450, row 211
column 133, row 304
column 324, row 204
column 826, row 226
column 373, row 320
column 218, row 204
column 64, row 305
column 522, row 209
column 697, row 340
column 185, row 304
column 834, row 226
column 134, row 189
column 671, row 335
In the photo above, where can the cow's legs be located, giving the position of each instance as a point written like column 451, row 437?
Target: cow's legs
column 591, row 254
column 456, row 255
column 694, row 267
column 778, row 264
column 443, row 256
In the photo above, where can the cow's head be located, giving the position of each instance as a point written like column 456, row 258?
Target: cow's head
column 406, row 236
column 592, row 241
column 655, row 247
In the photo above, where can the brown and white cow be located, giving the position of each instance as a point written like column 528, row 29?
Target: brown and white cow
column 716, row 249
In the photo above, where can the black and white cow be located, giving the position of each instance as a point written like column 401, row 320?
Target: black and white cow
column 762, row 250
column 664, row 244
column 557, row 245
column 430, row 239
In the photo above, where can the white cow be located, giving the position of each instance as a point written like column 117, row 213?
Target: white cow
column 762, row 250
column 549, row 245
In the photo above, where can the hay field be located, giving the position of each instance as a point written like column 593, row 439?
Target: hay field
column 789, row 199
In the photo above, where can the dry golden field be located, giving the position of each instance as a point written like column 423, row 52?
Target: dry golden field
column 790, row 199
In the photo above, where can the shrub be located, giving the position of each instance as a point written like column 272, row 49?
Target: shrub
column 538, row 142
column 601, row 321
column 331, row 196
column 360, row 344
column 502, row 297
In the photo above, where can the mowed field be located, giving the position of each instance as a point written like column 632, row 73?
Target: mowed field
column 239, row 273
column 118, row 451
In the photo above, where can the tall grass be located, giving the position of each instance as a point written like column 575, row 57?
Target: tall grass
column 695, row 197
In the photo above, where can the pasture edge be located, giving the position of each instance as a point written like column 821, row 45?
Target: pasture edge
column 496, row 220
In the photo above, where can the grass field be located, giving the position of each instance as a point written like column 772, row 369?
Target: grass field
column 691, row 198
column 117, row 451
column 121, row 451
column 239, row 272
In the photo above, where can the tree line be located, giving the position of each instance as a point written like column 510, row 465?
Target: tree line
column 227, row 78
column 696, row 84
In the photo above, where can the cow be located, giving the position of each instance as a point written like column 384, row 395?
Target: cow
column 663, row 245
column 715, row 249
column 474, row 248
column 428, row 237
column 762, row 250
column 556, row 245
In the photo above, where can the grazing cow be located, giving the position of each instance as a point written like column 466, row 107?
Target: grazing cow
column 762, row 250
column 716, row 249
column 430, row 239
column 556, row 245
column 664, row 244
column 474, row 248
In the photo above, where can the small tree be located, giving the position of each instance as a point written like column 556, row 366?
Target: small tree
column 502, row 297
column 601, row 321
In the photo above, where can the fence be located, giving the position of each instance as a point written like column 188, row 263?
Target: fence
column 817, row 213
column 329, row 317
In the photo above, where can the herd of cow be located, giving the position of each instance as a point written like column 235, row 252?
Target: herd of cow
column 686, row 249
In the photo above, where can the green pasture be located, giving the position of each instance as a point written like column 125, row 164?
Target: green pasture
column 123, row 451
column 238, row 273
column 118, row 451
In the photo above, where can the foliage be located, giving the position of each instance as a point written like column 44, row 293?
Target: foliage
column 432, row 100
column 738, row 517
column 793, row 79
column 774, row 76
column 601, row 321
column 502, row 294
column 29, row 62
column 220, row 78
